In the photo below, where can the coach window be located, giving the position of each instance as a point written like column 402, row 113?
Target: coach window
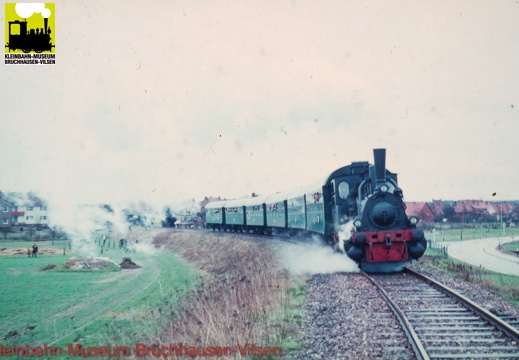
column 344, row 189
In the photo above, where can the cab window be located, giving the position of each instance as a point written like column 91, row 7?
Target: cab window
column 344, row 189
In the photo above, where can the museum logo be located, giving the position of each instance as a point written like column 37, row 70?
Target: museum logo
column 29, row 34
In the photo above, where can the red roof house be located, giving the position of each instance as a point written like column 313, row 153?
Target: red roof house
column 421, row 210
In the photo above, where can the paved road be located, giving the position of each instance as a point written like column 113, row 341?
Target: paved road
column 483, row 252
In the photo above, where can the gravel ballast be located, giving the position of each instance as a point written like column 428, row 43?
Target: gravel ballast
column 347, row 319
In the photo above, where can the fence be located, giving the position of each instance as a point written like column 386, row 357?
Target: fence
column 438, row 249
column 28, row 234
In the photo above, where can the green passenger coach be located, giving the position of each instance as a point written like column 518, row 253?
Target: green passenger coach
column 276, row 210
column 235, row 214
column 215, row 214
column 255, row 215
column 315, row 216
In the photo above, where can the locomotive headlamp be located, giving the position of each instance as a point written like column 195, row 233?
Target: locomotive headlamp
column 357, row 223
column 384, row 188
column 413, row 220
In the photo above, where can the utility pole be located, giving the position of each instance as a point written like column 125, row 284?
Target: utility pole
column 462, row 220
column 502, row 227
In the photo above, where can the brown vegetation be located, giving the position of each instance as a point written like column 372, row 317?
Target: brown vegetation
column 25, row 251
column 243, row 297
column 89, row 263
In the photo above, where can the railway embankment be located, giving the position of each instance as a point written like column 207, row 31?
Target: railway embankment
column 244, row 296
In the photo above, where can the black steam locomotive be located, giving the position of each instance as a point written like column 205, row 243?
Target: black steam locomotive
column 359, row 209
column 37, row 40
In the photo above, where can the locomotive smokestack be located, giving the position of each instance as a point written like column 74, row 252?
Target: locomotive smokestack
column 380, row 164
column 45, row 22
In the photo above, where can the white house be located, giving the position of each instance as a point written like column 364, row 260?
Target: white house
column 28, row 209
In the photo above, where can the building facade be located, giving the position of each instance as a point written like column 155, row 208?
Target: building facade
column 17, row 209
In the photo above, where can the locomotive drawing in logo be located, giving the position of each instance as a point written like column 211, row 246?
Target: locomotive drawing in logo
column 30, row 27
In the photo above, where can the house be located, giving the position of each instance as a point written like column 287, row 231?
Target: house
column 28, row 209
column 6, row 210
column 421, row 210
column 471, row 210
column 18, row 210
column 437, row 208
column 478, row 210
column 496, row 210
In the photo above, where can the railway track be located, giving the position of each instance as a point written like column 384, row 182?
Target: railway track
column 442, row 324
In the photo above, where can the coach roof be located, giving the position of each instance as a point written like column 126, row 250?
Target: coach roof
column 256, row 200
column 215, row 204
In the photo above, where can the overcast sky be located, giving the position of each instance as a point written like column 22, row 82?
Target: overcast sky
column 168, row 100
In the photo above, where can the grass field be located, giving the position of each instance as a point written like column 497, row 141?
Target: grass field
column 91, row 307
column 467, row 234
column 511, row 246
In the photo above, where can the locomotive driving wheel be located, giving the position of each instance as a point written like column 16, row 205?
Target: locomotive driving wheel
column 26, row 50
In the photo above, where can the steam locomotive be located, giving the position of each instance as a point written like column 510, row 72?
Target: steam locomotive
column 20, row 38
column 358, row 209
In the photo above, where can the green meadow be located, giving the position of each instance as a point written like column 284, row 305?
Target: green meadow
column 469, row 234
column 512, row 247
column 94, row 308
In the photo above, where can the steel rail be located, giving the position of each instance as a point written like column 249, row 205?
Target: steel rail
column 415, row 342
column 472, row 306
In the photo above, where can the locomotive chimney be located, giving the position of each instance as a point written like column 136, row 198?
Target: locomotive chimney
column 45, row 22
column 380, row 164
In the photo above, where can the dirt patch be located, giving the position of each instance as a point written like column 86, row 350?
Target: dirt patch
column 22, row 251
column 89, row 263
column 128, row 264
column 11, row 335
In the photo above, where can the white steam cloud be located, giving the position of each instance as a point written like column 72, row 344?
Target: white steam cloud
column 26, row 10
column 84, row 224
column 143, row 246
column 315, row 258
column 345, row 233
